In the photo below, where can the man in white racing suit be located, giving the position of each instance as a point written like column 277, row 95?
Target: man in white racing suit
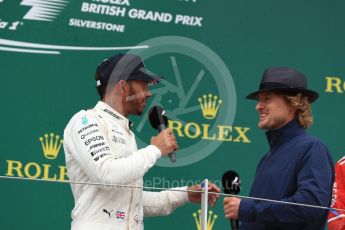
column 101, row 150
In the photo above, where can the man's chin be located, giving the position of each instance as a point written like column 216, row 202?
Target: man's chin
column 263, row 126
column 139, row 112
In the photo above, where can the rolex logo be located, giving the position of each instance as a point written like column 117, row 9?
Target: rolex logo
column 209, row 106
column 210, row 219
column 51, row 145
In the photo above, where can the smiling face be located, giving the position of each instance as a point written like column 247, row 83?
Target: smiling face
column 274, row 111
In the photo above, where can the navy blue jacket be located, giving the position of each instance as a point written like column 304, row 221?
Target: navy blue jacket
column 298, row 168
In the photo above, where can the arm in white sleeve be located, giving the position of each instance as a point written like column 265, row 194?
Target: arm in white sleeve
column 98, row 163
column 164, row 202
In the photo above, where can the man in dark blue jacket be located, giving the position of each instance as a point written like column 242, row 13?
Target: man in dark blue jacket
column 298, row 167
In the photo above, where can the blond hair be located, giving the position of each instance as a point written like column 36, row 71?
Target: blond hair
column 303, row 109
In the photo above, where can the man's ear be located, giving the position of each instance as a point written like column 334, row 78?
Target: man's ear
column 121, row 87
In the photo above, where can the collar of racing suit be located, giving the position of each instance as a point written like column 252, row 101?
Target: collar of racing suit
column 110, row 112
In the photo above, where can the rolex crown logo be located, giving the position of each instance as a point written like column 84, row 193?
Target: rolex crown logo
column 51, row 146
column 211, row 219
column 209, row 106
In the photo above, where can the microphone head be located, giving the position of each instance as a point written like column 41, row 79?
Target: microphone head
column 231, row 182
column 157, row 117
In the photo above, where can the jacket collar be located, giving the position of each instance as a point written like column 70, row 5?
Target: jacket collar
column 113, row 114
column 283, row 134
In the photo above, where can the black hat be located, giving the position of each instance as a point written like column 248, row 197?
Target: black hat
column 124, row 67
column 285, row 80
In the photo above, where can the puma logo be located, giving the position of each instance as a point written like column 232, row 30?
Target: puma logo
column 104, row 210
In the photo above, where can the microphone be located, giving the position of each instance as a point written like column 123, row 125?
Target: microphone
column 231, row 185
column 159, row 121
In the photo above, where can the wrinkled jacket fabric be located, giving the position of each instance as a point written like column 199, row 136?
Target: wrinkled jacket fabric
column 101, row 149
column 298, row 168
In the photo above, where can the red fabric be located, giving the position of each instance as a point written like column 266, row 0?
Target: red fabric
column 336, row 219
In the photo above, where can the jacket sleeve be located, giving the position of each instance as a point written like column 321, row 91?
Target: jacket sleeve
column 93, row 153
column 314, row 187
column 164, row 202
column 336, row 219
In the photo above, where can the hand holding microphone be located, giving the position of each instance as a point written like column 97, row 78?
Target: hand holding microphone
column 231, row 185
column 165, row 140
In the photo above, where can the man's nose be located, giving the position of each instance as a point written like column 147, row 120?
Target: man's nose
column 259, row 105
column 148, row 93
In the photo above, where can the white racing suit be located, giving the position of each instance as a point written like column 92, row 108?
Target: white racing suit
column 100, row 148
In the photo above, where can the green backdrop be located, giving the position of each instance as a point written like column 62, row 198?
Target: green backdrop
column 49, row 51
